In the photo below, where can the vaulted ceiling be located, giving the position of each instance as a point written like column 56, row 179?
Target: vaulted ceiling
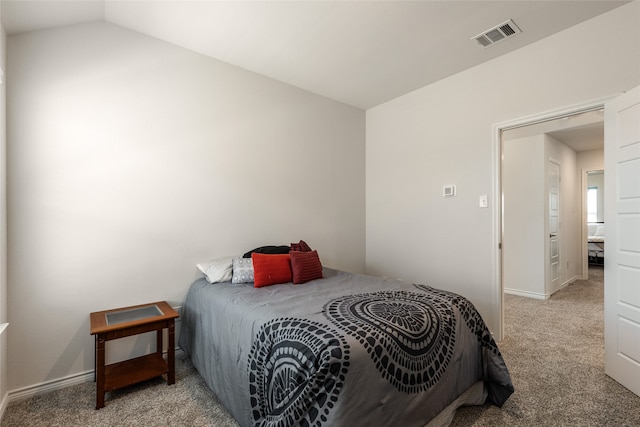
column 362, row 53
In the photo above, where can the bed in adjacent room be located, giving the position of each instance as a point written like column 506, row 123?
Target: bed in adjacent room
column 339, row 350
column 595, row 243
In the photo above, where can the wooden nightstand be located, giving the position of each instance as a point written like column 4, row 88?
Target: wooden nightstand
column 123, row 322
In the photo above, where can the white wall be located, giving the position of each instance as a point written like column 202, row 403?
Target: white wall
column 130, row 160
column 442, row 134
column 523, row 178
column 525, row 227
column 3, row 222
column 591, row 160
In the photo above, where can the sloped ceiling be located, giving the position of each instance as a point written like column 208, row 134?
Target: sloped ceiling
column 362, row 53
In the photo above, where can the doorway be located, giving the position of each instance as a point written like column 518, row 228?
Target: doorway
column 581, row 130
column 593, row 189
column 622, row 325
column 544, row 233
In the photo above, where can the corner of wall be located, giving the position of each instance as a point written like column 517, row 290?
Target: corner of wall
column 4, row 394
column 3, row 224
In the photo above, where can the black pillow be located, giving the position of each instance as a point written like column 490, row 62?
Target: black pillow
column 268, row 250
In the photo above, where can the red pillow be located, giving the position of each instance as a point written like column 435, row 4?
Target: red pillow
column 270, row 269
column 300, row 246
column 305, row 266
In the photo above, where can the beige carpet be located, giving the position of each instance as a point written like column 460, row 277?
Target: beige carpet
column 186, row 403
column 553, row 348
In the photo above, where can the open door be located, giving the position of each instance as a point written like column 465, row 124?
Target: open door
column 622, row 237
column 553, row 187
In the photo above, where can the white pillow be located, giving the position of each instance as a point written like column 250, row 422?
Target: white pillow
column 217, row 270
column 600, row 231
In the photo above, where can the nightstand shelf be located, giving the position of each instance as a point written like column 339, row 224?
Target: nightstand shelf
column 132, row 371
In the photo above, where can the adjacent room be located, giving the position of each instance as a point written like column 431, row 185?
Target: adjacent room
column 148, row 149
column 571, row 148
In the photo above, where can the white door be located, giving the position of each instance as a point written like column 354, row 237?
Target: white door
column 622, row 240
column 553, row 185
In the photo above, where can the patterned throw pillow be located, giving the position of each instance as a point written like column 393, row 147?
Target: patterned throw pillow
column 305, row 266
column 242, row 270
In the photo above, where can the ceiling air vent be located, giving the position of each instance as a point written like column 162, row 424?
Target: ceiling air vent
column 497, row 34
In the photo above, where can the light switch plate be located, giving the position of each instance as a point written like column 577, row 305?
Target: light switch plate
column 484, row 201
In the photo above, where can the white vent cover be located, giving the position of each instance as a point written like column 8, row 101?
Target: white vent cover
column 497, row 34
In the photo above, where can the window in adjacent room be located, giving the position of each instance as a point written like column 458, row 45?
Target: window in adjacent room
column 592, row 204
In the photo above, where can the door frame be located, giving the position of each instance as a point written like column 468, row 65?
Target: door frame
column 498, row 205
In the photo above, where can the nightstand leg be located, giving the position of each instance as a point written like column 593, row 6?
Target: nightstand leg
column 171, row 361
column 159, row 341
column 100, row 341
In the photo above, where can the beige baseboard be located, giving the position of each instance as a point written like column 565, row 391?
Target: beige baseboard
column 57, row 384
column 3, row 404
column 527, row 294
column 537, row 295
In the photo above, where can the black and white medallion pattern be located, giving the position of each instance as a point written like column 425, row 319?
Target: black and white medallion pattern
column 296, row 371
column 470, row 315
column 410, row 336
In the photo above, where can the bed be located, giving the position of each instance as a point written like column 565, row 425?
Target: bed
column 595, row 243
column 343, row 350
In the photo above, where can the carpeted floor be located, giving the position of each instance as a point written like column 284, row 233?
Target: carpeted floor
column 186, row 403
column 553, row 348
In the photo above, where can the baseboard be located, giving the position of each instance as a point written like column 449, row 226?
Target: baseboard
column 57, row 384
column 537, row 295
column 45, row 387
column 527, row 294
column 566, row 283
column 5, row 398
column 3, row 404
column 570, row 281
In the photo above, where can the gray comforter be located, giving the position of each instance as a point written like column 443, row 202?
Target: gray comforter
column 345, row 350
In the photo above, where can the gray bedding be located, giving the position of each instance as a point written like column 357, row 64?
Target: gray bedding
column 345, row 350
